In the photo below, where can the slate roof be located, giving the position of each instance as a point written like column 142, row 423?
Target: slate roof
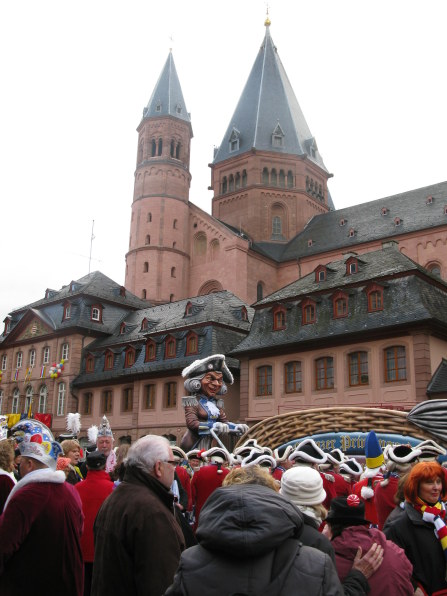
column 94, row 288
column 167, row 97
column 438, row 382
column 267, row 104
column 367, row 221
column 411, row 296
column 215, row 318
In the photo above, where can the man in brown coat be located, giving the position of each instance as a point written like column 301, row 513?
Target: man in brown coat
column 138, row 541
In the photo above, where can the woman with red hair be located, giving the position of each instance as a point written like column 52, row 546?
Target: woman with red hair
column 421, row 528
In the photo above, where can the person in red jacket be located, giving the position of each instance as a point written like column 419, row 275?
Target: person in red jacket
column 184, row 476
column 371, row 476
column 93, row 491
column 283, row 463
column 335, row 458
column 208, row 478
column 351, row 471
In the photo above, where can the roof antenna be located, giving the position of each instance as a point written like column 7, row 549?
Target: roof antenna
column 91, row 243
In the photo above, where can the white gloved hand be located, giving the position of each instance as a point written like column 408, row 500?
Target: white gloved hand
column 221, row 427
column 241, row 429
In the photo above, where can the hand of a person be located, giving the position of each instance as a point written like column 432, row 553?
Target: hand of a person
column 241, row 429
column 370, row 562
column 418, row 592
column 221, row 427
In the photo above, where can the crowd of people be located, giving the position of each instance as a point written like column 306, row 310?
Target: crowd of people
column 150, row 518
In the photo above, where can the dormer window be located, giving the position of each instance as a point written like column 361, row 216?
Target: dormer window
column 340, row 305
column 429, row 200
column 234, row 140
column 122, row 328
column 244, row 314
column 309, row 243
column 384, row 211
column 352, row 266
column 129, row 359
column 96, row 313
column 171, row 347
column 67, row 311
column 123, row 291
column 397, row 221
column 374, row 294
column 278, row 136
column 158, row 107
column 192, row 343
column 343, row 221
column 445, row 209
column 351, row 233
column 151, row 350
column 7, row 329
column 108, row 360
column 188, row 309
column 178, row 108
column 320, row 273
column 308, row 311
column 143, row 324
column 90, row 364
column 279, row 318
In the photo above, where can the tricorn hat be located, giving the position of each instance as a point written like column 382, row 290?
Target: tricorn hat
column 308, row 451
column 351, row 466
column 216, row 363
column 257, row 458
column 402, row 454
column 282, row 453
column 430, row 450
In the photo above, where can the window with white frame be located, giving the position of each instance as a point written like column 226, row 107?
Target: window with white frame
column 19, row 359
column 4, row 361
column 64, row 352
column 15, row 401
column 61, row 399
column 46, row 355
column 28, row 399
column 32, row 357
column 43, row 394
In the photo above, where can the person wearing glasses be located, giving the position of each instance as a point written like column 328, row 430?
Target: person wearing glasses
column 138, row 541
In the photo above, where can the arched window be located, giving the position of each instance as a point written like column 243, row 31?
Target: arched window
column 171, row 297
column 149, row 217
column 395, row 364
column 154, row 148
column 172, row 271
column 214, row 249
column 279, row 318
column 171, row 346
column 274, row 178
column 200, row 245
column 435, row 269
column 129, row 357
column 146, row 267
column 43, row 395
column 289, row 179
column 15, row 401
column 259, row 291
column 340, row 305
column 375, row 298
column 140, row 152
column 188, row 309
column 151, row 351
column 308, row 312
column 264, row 381
column 358, row 369
column 244, row 314
column 265, row 176
column 276, row 225
column 244, row 178
column 282, row 178
column 108, row 361
column 231, row 182
column 61, row 399
column 224, row 185
column 174, row 224
column 172, row 148
column 177, row 151
column 90, row 364
column 324, row 373
column 292, row 377
column 160, row 146
column 28, row 399
column 148, row 239
column 192, row 343
column 237, row 180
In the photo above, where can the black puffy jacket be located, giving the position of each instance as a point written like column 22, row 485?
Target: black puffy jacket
column 248, row 545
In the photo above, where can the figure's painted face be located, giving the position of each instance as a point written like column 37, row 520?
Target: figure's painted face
column 212, row 383
column 430, row 490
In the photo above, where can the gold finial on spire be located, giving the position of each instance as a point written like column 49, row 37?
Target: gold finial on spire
column 267, row 21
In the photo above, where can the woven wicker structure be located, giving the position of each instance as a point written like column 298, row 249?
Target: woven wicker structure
column 277, row 430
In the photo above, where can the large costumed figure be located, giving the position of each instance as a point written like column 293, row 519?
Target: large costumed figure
column 207, row 381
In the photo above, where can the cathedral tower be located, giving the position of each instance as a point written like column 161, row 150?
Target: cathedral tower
column 157, row 261
column 268, row 176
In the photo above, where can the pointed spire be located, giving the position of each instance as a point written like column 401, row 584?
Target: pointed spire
column 167, row 97
column 268, row 116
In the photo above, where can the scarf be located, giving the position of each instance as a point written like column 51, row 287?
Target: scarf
column 434, row 514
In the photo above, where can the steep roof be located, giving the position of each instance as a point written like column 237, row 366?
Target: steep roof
column 268, row 106
column 411, row 296
column 167, row 97
column 438, row 382
column 416, row 210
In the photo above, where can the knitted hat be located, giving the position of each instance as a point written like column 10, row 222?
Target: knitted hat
column 373, row 455
column 96, row 460
column 308, row 451
column 347, row 510
column 63, row 463
column 303, row 486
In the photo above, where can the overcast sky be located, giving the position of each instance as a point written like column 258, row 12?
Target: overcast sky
column 369, row 76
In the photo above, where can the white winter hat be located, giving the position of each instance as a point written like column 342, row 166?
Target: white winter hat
column 303, row 486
